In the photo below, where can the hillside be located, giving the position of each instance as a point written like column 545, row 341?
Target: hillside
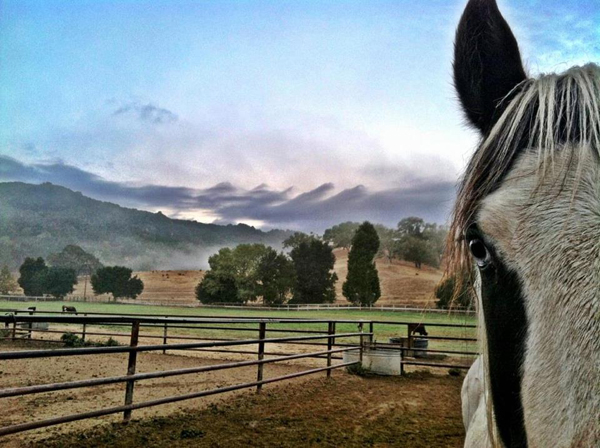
column 36, row 220
column 401, row 283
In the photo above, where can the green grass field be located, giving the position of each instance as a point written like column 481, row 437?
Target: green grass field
column 382, row 331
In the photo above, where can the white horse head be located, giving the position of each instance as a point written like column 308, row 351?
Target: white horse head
column 527, row 226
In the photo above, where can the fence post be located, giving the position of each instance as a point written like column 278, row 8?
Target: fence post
column 135, row 333
column 165, row 336
column 372, row 335
column 330, row 344
column 360, row 329
column 262, row 331
column 30, row 325
column 83, row 329
column 401, row 361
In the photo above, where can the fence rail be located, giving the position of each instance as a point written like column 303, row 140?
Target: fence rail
column 326, row 344
column 289, row 307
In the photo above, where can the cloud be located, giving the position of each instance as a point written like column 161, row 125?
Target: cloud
column 92, row 185
column 148, row 113
column 312, row 210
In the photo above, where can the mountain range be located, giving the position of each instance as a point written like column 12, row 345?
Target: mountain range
column 37, row 220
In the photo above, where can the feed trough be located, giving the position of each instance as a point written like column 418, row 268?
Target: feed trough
column 378, row 360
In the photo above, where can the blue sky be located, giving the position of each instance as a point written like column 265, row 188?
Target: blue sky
column 294, row 114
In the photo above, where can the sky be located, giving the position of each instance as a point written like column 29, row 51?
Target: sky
column 279, row 114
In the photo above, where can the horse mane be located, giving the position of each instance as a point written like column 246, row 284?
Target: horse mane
column 542, row 115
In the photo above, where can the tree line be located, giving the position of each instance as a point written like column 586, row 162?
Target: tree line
column 252, row 271
column 304, row 274
column 58, row 279
column 412, row 240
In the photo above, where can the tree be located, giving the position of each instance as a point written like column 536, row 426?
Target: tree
column 436, row 236
column 32, row 276
column 411, row 226
column 420, row 242
column 362, row 282
column 276, row 275
column 313, row 264
column 7, row 281
column 448, row 297
column 217, row 288
column 74, row 257
column 117, row 280
column 246, row 259
column 418, row 251
column 387, row 242
column 341, row 235
column 233, row 272
column 296, row 239
column 59, row 281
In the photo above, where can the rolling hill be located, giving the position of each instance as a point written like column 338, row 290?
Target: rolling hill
column 37, row 220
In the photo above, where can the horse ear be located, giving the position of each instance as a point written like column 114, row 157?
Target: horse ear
column 487, row 62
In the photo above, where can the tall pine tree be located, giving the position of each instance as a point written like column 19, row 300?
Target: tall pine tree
column 314, row 280
column 362, row 282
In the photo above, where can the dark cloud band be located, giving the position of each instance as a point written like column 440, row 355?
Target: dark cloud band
column 314, row 210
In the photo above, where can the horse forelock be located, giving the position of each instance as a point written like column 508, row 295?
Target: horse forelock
column 543, row 115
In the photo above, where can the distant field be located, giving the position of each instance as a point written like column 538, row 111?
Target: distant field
column 175, row 286
column 401, row 283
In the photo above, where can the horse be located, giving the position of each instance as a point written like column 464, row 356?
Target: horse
column 69, row 309
column 525, row 232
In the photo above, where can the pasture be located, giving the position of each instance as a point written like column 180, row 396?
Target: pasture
column 382, row 331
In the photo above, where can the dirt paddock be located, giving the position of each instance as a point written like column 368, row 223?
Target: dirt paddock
column 421, row 409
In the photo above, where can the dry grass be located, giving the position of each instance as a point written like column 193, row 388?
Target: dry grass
column 401, row 283
column 159, row 286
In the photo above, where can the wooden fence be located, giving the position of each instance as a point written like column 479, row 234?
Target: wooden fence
column 287, row 307
column 325, row 344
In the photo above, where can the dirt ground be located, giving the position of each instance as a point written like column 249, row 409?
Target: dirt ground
column 61, row 369
column 401, row 283
column 420, row 410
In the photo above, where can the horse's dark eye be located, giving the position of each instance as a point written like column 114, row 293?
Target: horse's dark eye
column 479, row 252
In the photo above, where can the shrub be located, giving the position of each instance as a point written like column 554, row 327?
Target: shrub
column 449, row 297
column 74, row 341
